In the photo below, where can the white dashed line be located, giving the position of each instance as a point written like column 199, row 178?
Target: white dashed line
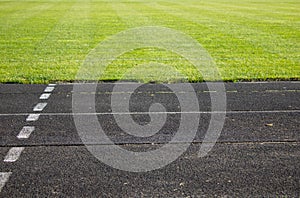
column 49, row 89
column 40, row 106
column 209, row 91
column 45, row 96
column 13, row 154
column 4, row 176
column 32, row 117
column 25, row 132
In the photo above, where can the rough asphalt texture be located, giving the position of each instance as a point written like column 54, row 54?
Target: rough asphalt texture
column 257, row 154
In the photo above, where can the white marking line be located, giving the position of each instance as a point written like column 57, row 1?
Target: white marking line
column 13, row 154
column 209, row 92
column 188, row 112
column 25, row 132
column 40, row 106
column 131, row 83
column 45, row 96
column 49, row 89
column 52, row 85
column 191, row 112
column 4, row 176
column 32, row 117
column 266, row 82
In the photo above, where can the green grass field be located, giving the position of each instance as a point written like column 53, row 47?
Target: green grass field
column 44, row 41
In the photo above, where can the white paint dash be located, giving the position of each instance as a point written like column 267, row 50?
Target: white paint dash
column 40, row 106
column 209, row 91
column 32, row 117
column 45, row 96
column 13, row 154
column 4, row 176
column 51, row 85
column 25, row 132
column 49, row 89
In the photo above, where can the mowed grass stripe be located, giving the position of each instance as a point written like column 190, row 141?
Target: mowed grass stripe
column 65, row 40
column 210, row 36
column 283, row 23
column 264, row 15
column 139, row 7
column 19, row 15
column 73, row 41
column 66, row 35
column 130, row 16
column 21, row 48
column 13, row 8
column 264, row 6
column 224, row 18
column 254, row 45
column 65, row 44
column 35, row 33
column 31, row 31
column 137, row 65
column 287, row 40
column 258, row 35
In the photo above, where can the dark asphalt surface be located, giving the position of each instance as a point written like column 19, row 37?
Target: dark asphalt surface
column 257, row 153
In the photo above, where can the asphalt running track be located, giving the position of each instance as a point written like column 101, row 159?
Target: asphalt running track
column 257, row 153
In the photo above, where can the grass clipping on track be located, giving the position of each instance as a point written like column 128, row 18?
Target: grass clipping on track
column 46, row 41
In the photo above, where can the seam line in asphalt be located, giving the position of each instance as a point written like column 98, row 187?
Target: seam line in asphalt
column 167, row 92
column 160, row 143
column 45, row 95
